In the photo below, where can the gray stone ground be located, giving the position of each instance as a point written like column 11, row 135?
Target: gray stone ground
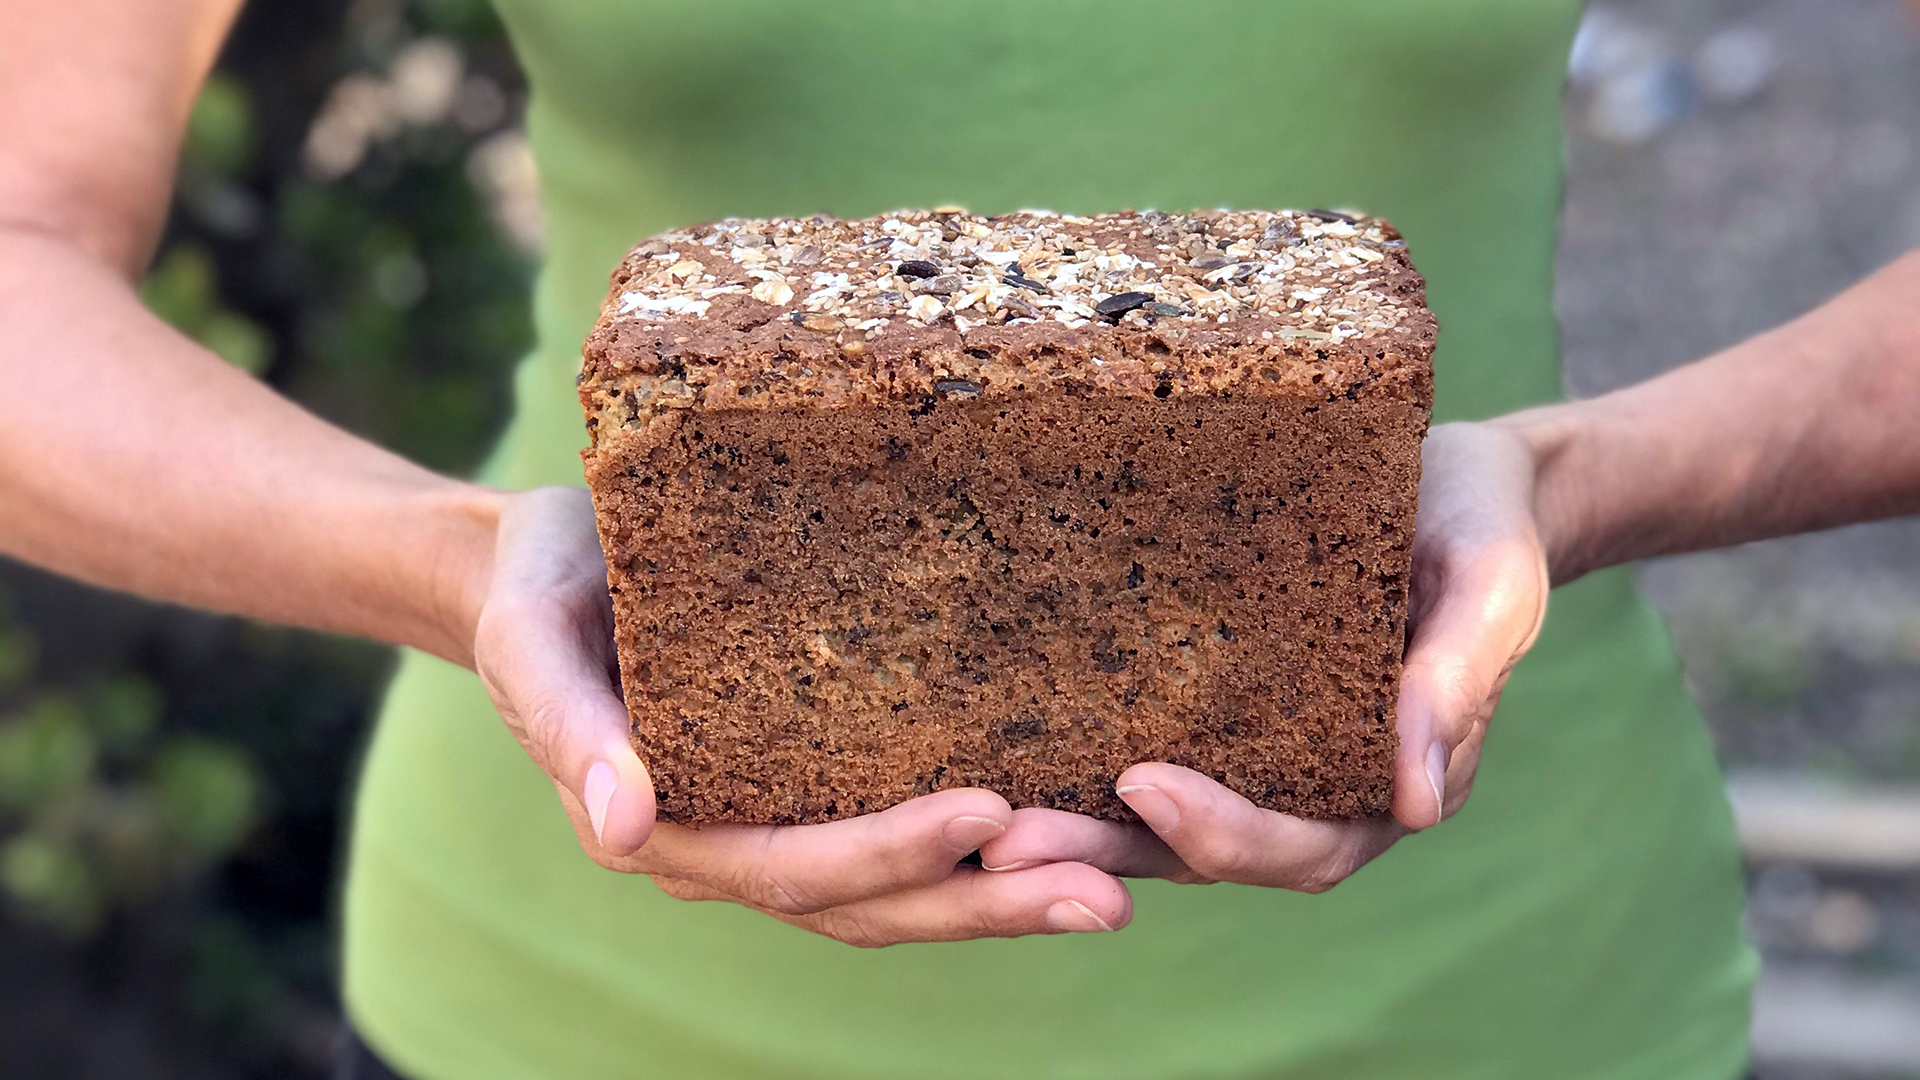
column 1732, row 163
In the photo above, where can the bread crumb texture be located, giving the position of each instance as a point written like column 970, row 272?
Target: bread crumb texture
column 936, row 500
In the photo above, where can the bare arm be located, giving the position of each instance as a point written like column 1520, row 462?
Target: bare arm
column 131, row 457
column 1810, row 425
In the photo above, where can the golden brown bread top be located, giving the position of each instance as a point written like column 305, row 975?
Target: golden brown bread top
column 768, row 312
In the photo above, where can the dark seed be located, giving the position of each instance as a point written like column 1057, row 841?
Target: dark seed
column 1018, row 730
column 1018, row 278
column 919, row 268
column 1120, row 303
column 1069, row 252
column 1167, row 310
column 1332, row 215
column 962, row 387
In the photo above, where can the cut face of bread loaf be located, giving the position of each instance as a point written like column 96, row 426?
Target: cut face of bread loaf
column 936, row 500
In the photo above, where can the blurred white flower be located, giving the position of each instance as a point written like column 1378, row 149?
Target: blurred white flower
column 502, row 169
column 1735, row 63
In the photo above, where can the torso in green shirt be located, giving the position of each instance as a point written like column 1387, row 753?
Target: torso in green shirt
column 1579, row 919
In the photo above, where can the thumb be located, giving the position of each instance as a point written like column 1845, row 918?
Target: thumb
column 554, row 692
column 1487, row 612
column 578, row 736
column 544, row 648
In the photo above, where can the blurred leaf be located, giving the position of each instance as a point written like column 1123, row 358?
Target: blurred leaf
column 18, row 653
column 220, row 128
column 181, row 287
column 125, row 839
column 230, row 980
column 52, row 881
column 123, row 711
column 206, row 793
column 467, row 17
column 238, row 340
column 45, row 752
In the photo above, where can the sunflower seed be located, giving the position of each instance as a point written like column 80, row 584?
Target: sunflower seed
column 1120, row 303
column 1018, row 278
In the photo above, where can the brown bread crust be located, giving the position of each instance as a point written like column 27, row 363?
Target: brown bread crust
column 856, row 558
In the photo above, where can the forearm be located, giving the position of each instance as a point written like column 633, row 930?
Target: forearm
column 134, row 459
column 1811, row 425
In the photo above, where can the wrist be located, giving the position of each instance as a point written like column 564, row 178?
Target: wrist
column 1558, row 438
column 454, row 553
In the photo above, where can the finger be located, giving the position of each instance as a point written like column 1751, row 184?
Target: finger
column 1222, row 836
column 542, row 647
column 1057, row 898
column 1487, row 609
column 800, row 869
column 1039, row 836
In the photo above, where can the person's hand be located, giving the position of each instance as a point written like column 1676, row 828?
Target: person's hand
column 1477, row 598
column 544, row 647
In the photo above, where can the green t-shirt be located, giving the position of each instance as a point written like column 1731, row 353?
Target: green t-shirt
column 1579, row 919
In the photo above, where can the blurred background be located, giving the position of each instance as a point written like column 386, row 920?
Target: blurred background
column 356, row 223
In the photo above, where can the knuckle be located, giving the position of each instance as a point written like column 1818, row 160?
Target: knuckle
column 1324, row 877
column 1220, row 860
column 778, row 894
column 848, row 928
column 1339, row 865
column 543, row 729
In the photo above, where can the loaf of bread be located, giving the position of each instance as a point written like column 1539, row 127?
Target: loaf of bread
column 936, row 500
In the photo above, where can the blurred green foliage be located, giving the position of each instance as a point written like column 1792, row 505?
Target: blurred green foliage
column 183, row 288
column 173, row 783
column 99, row 807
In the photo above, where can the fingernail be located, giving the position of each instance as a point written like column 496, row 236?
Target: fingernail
column 1017, row 864
column 1437, row 774
column 1161, row 814
column 597, row 793
column 965, row 834
column 1074, row 917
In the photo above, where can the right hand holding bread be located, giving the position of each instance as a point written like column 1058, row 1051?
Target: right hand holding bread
column 543, row 645
column 1478, row 597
